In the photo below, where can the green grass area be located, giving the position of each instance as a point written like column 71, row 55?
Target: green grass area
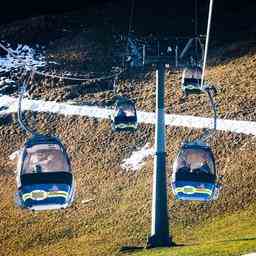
column 231, row 234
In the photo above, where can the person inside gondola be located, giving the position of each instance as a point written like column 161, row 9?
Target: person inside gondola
column 205, row 168
column 192, row 77
column 125, row 113
column 193, row 161
column 198, row 162
column 121, row 115
column 44, row 160
column 129, row 111
column 183, row 166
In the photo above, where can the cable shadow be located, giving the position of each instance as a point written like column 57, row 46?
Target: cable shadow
column 132, row 249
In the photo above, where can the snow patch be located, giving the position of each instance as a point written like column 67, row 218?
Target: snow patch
column 5, row 80
column 250, row 254
column 85, row 201
column 7, row 86
column 32, row 57
column 137, row 159
column 15, row 154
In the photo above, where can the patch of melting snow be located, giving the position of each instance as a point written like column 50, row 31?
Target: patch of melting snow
column 137, row 159
column 32, row 57
column 85, row 201
column 7, row 86
column 15, row 154
column 53, row 62
column 6, row 80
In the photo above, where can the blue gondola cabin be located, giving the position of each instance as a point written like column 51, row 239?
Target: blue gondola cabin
column 124, row 116
column 191, row 81
column 194, row 175
column 44, row 177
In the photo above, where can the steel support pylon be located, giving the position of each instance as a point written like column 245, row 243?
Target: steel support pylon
column 160, row 223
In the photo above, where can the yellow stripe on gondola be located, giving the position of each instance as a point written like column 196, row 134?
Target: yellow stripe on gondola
column 26, row 196
column 125, row 126
column 45, row 195
column 189, row 190
column 57, row 193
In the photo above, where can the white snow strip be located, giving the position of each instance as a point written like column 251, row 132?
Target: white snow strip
column 52, row 107
column 245, row 127
column 250, row 254
column 136, row 160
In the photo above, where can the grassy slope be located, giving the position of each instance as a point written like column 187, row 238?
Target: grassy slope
column 229, row 234
column 120, row 211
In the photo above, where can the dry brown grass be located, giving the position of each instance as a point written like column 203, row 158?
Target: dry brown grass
column 120, row 211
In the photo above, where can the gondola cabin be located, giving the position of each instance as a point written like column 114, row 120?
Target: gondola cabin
column 194, row 175
column 191, row 81
column 124, row 116
column 44, row 177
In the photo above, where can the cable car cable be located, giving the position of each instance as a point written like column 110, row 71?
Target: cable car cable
column 22, row 92
column 207, row 41
column 131, row 17
column 19, row 112
column 130, row 25
column 196, row 29
column 206, row 135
